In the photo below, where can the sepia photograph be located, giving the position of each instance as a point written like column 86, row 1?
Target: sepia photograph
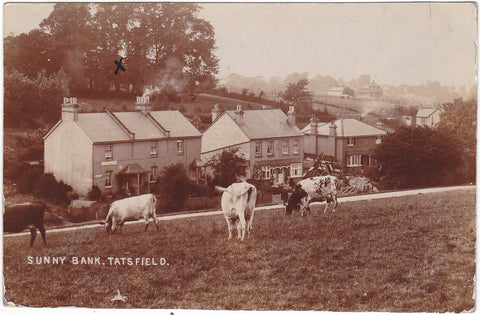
column 239, row 156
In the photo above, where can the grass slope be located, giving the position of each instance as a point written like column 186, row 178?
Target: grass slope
column 406, row 254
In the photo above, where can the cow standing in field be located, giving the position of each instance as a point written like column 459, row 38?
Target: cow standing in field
column 18, row 217
column 238, row 205
column 131, row 209
column 312, row 189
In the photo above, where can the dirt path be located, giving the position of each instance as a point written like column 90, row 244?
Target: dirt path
column 272, row 207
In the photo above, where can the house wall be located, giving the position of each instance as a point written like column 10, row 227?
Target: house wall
column 430, row 121
column 139, row 152
column 278, row 157
column 340, row 148
column 68, row 155
column 365, row 146
column 223, row 133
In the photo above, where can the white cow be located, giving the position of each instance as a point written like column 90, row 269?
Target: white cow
column 131, row 209
column 238, row 205
column 316, row 188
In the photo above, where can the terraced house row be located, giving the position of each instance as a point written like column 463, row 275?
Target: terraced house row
column 127, row 150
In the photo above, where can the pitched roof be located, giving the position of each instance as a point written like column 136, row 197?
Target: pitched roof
column 100, row 127
column 176, row 123
column 426, row 112
column 140, row 125
column 346, row 127
column 103, row 127
column 266, row 123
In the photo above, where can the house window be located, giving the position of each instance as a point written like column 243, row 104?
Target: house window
column 423, row 120
column 354, row 160
column 285, row 147
column 296, row 146
column 108, row 152
column 296, row 170
column 108, row 179
column 179, row 146
column 352, row 141
column 270, row 148
column 153, row 174
column 266, row 172
column 258, row 148
column 379, row 139
column 153, row 149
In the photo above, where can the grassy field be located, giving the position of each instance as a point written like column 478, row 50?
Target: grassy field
column 407, row 254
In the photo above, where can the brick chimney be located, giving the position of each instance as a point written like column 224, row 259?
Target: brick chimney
column 313, row 125
column 332, row 129
column 70, row 109
column 143, row 104
column 239, row 115
column 291, row 116
column 215, row 112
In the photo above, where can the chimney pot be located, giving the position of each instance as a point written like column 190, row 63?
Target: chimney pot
column 143, row 104
column 239, row 114
column 332, row 129
column 313, row 125
column 70, row 109
column 215, row 112
column 291, row 115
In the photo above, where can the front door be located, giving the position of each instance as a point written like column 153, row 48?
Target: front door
column 365, row 160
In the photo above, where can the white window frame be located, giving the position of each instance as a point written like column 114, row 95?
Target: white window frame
column 153, row 174
column 180, row 146
column 258, row 145
column 153, row 149
column 296, row 170
column 352, row 141
column 378, row 139
column 296, row 146
column 266, row 172
column 285, row 146
column 108, row 179
column 354, row 160
column 270, row 148
column 108, row 152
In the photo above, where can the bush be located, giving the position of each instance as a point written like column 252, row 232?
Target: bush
column 173, row 186
column 95, row 193
column 228, row 167
column 418, row 157
column 50, row 189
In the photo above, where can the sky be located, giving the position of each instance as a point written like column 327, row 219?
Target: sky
column 396, row 43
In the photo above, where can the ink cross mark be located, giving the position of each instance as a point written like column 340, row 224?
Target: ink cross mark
column 119, row 65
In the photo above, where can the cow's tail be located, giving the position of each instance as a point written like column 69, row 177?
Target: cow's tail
column 220, row 189
column 249, row 193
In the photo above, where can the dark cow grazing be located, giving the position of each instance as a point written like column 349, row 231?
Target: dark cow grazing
column 318, row 188
column 18, row 217
column 238, row 205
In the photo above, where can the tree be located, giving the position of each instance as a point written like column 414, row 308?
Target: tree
column 298, row 95
column 228, row 167
column 418, row 157
column 32, row 102
column 70, row 33
column 460, row 120
column 174, row 186
column 348, row 91
column 163, row 45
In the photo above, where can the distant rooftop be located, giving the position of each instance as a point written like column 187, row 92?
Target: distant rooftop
column 346, row 127
column 266, row 123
